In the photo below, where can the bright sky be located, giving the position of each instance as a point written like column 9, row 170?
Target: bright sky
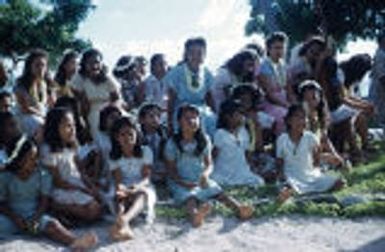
column 149, row 26
column 144, row 27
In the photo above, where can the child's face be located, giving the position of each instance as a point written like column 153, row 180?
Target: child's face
column 5, row 104
column 127, row 137
column 297, row 121
column 111, row 118
column 236, row 119
column 28, row 163
column 311, row 97
column 94, row 66
column 67, row 129
column 246, row 101
column 152, row 119
column 39, row 67
column 11, row 128
column 189, row 122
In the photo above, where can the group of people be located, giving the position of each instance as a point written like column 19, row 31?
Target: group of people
column 83, row 143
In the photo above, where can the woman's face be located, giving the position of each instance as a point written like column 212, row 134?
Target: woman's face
column 277, row 50
column 67, row 129
column 236, row 119
column 249, row 67
column 195, row 55
column 39, row 67
column 126, row 137
column 71, row 67
column 189, row 122
column 28, row 163
column 160, row 68
column 94, row 66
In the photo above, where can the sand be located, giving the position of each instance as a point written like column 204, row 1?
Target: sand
column 291, row 233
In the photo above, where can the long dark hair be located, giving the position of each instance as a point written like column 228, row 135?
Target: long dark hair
column 356, row 67
column 104, row 113
column 313, row 85
column 82, row 133
column 227, row 110
column 87, row 55
column 61, row 75
column 116, row 150
column 244, row 89
column 26, row 79
column 19, row 148
column 199, row 136
column 51, row 129
column 236, row 63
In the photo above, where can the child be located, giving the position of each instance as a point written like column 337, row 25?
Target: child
column 155, row 136
column 9, row 131
column 189, row 164
column 231, row 142
column 24, row 193
column 5, row 101
column 131, row 167
column 73, row 194
column 311, row 96
column 298, row 153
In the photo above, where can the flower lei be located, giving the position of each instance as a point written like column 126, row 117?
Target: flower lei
column 197, row 84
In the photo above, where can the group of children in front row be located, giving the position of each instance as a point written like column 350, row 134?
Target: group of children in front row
column 54, row 173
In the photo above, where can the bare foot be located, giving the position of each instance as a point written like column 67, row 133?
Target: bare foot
column 245, row 212
column 85, row 242
column 200, row 215
column 284, row 194
column 121, row 233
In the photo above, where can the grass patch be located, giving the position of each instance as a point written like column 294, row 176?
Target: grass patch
column 364, row 180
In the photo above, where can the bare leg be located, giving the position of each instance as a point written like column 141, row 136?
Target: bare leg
column 244, row 212
column 57, row 232
column 197, row 214
column 89, row 212
column 362, row 129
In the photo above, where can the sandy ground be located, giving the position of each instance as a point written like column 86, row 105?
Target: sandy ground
column 293, row 233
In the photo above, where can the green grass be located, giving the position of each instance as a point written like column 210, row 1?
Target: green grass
column 364, row 180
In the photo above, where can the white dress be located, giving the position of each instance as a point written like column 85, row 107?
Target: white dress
column 131, row 171
column 299, row 170
column 98, row 96
column 231, row 167
column 65, row 162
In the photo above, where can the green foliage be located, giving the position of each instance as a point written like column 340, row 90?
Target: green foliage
column 50, row 25
column 342, row 19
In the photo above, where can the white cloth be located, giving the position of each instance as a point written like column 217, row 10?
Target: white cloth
column 97, row 94
column 231, row 167
column 299, row 170
column 65, row 163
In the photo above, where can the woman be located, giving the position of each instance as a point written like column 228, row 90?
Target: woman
column 94, row 88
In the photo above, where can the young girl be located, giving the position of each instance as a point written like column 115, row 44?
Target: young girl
column 9, row 131
column 74, row 195
column 24, row 193
column 155, row 136
column 131, row 167
column 311, row 96
column 298, row 153
column 231, row 143
column 188, row 158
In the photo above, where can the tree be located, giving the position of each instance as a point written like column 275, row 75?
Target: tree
column 344, row 20
column 50, row 25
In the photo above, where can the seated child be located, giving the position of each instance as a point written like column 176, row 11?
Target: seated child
column 188, row 159
column 131, row 168
column 24, row 193
column 73, row 195
column 231, row 142
column 154, row 136
column 298, row 153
